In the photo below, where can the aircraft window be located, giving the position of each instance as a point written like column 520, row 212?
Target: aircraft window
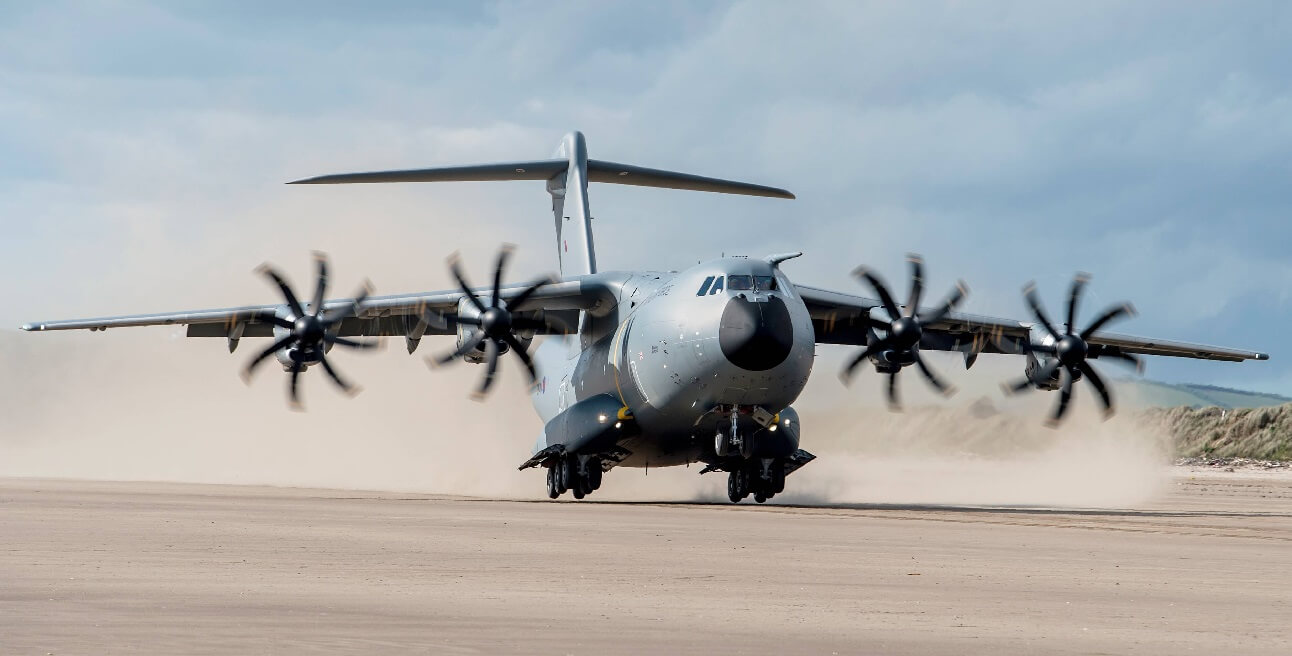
column 740, row 283
column 704, row 288
column 765, row 283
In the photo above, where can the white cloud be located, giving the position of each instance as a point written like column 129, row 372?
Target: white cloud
column 1146, row 143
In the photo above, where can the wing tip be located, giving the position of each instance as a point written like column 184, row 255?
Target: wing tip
column 31, row 327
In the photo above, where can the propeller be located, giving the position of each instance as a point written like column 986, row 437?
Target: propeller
column 309, row 333
column 901, row 345
column 495, row 325
column 1070, row 350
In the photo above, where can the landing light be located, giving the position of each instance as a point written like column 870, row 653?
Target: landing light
column 772, row 428
column 601, row 418
column 619, row 424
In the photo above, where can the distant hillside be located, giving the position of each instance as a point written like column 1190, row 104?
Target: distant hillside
column 1153, row 394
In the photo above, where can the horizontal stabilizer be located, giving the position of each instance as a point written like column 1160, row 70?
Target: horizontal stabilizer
column 536, row 170
column 598, row 171
column 603, row 171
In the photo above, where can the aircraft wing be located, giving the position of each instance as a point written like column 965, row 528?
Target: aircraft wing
column 410, row 315
column 845, row 319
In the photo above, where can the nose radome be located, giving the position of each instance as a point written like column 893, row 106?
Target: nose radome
column 756, row 336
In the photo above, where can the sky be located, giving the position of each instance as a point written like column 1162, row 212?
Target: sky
column 143, row 147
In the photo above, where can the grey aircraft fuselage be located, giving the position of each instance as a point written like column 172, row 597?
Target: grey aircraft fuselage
column 677, row 347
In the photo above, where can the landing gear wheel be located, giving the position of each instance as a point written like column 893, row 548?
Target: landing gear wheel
column 733, row 487
column 553, row 490
column 760, row 497
column 778, row 477
column 578, row 492
column 568, row 473
column 594, row 474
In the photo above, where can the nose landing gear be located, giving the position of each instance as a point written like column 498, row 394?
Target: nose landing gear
column 734, row 441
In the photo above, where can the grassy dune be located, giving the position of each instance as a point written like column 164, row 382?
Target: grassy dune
column 1261, row 433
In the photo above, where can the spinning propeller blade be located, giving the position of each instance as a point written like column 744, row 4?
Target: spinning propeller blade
column 309, row 333
column 496, row 325
column 1071, row 351
column 901, row 346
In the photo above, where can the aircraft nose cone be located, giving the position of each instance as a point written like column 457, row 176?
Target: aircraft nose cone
column 756, row 336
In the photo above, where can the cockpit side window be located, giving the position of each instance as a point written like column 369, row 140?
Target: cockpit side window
column 765, row 283
column 704, row 287
column 740, row 283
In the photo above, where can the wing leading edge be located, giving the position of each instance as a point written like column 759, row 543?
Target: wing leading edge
column 380, row 315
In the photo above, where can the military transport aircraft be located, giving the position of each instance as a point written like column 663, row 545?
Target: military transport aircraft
column 661, row 368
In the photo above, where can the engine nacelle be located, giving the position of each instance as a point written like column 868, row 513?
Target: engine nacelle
column 887, row 362
column 1033, row 370
column 464, row 332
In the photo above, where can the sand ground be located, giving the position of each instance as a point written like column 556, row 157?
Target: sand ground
column 96, row 568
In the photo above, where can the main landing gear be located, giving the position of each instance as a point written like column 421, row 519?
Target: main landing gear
column 581, row 475
column 764, row 478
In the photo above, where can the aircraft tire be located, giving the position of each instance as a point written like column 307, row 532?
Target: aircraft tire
column 568, row 473
column 778, row 477
column 760, row 497
column 553, row 490
column 563, row 475
column 594, row 474
column 733, row 487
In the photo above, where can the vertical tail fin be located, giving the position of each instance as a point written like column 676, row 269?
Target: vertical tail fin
column 569, row 190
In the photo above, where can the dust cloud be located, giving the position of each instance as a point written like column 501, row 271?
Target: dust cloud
column 149, row 404
column 152, row 405
column 979, row 448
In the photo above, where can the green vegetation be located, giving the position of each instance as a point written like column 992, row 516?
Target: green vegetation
column 1213, row 432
